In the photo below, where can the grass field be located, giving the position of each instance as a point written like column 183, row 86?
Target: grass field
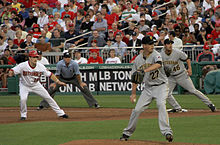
column 196, row 129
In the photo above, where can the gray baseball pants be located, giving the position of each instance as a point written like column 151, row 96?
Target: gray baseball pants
column 85, row 91
column 159, row 93
column 184, row 81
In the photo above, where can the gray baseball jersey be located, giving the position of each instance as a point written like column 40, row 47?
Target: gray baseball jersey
column 155, row 77
column 156, row 87
column 179, row 76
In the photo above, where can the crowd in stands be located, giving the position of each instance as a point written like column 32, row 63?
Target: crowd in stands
column 116, row 26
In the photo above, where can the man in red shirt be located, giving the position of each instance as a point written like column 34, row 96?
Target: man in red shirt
column 94, row 58
column 216, row 31
column 68, row 12
column 206, row 55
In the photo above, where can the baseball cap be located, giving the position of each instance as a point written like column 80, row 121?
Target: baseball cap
column 168, row 41
column 35, row 26
column 51, row 16
column 33, row 53
column 95, row 41
column 134, row 34
column 209, row 36
column 66, row 5
column 206, row 47
column 22, row 6
column 39, row 52
column 148, row 40
column 154, row 14
column 66, row 54
column 150, row 34
column 71, row 24
column 192, row 17
column 202, row 29
column 179, row 18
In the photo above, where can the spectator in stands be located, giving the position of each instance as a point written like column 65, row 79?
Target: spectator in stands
column 95, row 36
column 178, row 44
column 78, row 20
column 51, row 23
column 8, row 32
column 43, row 18
column 94, row 57
column 111, row 36
column 201, row 38
column 16, row 5
column 191, row 7
column 23, row 33
column 18, row 39
column 111, row 4
column 197, row 18
column 139, row 35
column 67, row 12
column 100, row 25
column 79, row 59
column 47, row 34
column 41, row 59
column 87, row 24
column 58, row 8
column 188, row 38
column 120, row 47
column 156, row 21
column 129, row 10
column 134, row 42
column 60, row 28
column 210, row 40
column 23, row 12
column 70, row 34
column 12, row 47
column 30, row 20
column 206, row 55
column 36, row 10
column 57, row 18
column 49, row 10
column 112, row 59
column 44, row 35
column 160, row 40
column 42, row 46
column 216, row 32
column 2, row 44
column 6, row 21
column 27, row 44
column 36, row 31
column 142, row 26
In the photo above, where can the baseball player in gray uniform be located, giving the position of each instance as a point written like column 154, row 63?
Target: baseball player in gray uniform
column 68, row 72
column 173, row 63
column 156, row 87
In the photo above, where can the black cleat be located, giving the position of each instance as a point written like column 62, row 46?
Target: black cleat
column 40, row 108
column 124, row 137
column 23, row 118
column 64, row 116
column 174, row 110
column 212, row 107
column 97, row 106
column 169, row 137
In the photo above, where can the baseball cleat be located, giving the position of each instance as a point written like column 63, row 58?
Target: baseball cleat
column 169, row 137
column 23, row 118
column 212, row 107
column 124, row 137
column 40, row 108
column 97, row 106
column 64, row 116
column 176, row 110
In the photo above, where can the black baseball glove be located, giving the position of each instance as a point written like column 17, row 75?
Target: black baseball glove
column 167, row 71
column 137, row 77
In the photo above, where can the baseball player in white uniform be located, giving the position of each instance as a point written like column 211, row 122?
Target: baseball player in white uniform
column 173, row 63
column 156, row 87
column 30, row 72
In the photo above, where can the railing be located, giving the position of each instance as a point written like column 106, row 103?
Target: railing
column 191, row 50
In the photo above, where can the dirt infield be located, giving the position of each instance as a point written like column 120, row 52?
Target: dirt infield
column 12, row 115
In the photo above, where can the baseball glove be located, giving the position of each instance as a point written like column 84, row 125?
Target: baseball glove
column 167, row 71
column 137, row 77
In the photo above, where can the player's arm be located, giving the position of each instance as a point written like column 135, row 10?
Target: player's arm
column 189, row 70
column 56, row 80
column 133, row 93
column 155, row 66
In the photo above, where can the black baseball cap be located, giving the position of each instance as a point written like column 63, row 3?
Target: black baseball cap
column 39, row 52
column 148, row 40
column 134, row 34
column 168, row 41
column 66, row 54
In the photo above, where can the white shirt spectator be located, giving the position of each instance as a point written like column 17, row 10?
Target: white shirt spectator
column 126, row 13
column 63, row 2
column 82, row 60
column 136, row 17
column 112, row 60
column 3, row 46
column 42, row 20
column 191, row 8
column 178, row 43
column 43, row 61
column 111, row 6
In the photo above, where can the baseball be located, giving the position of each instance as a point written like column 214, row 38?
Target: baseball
column 134, row 100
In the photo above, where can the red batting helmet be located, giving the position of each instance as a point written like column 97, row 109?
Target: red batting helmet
column 33, row 53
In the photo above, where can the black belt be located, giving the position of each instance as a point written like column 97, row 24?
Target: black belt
column 68, row 79
column 177, row 74
column 158, row 84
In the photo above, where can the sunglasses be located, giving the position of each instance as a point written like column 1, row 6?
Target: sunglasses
column 5, row 19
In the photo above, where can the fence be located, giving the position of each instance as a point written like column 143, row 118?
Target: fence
column 191, row 50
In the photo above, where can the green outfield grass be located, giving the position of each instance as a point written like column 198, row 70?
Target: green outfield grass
column 201, row 129
column 107, row 101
